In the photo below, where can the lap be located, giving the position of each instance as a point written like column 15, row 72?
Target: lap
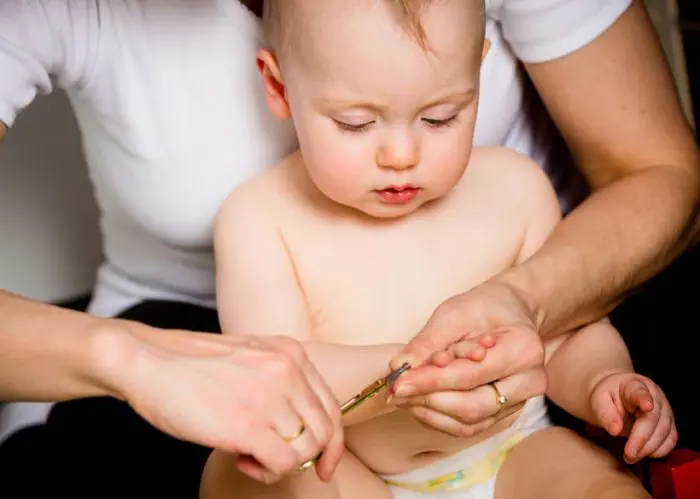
column 556, row 463
column 352, row 480
column 102, row 440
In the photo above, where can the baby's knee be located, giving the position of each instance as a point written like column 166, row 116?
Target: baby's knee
column 556, row 463
column 217, row 472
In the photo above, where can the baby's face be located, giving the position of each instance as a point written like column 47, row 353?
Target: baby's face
column 385, row 125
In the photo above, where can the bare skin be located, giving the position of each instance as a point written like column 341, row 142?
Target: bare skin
column 329, row 247
column 348, row 261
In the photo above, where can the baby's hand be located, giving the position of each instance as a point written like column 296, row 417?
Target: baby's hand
column 469, row 348
column 633, row 405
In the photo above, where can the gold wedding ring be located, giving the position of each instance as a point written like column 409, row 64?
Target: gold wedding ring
column 501, row 399
column 298, row 433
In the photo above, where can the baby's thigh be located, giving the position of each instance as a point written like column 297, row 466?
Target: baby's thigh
column 352, row 480
column 556, row 463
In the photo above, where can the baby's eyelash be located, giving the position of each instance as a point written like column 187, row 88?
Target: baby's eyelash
column 347, row 127
column 440, row 123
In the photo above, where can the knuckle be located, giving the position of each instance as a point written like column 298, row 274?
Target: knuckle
column 470, row 413
column 284, row 462
column 325, row 431
column 468, row 431
column 294, row 348
column 282, row 364
column 534, row 353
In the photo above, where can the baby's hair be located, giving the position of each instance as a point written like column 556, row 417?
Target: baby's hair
column 408, row 14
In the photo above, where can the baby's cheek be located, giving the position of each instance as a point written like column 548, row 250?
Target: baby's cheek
column 339, row 169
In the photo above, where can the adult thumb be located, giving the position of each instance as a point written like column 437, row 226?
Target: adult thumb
column 433, row 338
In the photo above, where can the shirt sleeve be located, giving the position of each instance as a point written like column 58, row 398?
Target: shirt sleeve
column 44, row 43
column 543, row 30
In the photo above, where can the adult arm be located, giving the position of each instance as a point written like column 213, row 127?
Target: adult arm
column 615, row 102
column 614, row 99
column 212, row 390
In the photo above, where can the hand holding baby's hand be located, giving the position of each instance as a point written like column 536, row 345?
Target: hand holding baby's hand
column 633, row 405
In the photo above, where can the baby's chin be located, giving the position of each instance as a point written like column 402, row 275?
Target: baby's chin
column 381, row 211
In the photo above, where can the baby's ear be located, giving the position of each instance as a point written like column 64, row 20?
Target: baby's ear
column 275, row 92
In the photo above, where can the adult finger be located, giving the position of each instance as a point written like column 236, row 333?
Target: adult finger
column 515, row 351
column 480, row 403
column 275, row 455
column 304, row 390
column 442, row 329
column 327, row 427
column 437, row 421
column 333, row 446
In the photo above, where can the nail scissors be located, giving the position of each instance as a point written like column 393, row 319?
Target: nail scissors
column 374, row 388
column 369, row 391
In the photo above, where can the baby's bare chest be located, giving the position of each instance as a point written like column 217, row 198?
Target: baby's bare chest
column 381, row 286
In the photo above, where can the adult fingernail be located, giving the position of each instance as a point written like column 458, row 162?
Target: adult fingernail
column 405, row 390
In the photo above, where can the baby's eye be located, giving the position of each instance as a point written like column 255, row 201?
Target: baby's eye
column 353, row 127
column 439, row 123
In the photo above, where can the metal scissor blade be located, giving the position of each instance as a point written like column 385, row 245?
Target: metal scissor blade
column 394, row 375
column 372, row 389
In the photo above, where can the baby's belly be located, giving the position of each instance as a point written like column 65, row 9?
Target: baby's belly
column 397, row 443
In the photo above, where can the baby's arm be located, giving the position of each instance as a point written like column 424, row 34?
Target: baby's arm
column 258, row 294
column 577, row 362
column 590, row 375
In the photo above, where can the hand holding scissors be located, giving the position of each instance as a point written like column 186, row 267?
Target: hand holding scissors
column 369, row 391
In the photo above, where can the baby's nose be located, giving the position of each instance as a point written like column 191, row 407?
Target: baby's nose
column 398, row 154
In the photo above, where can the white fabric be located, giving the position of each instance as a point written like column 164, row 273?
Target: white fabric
column 533, row 418
column 171, row 108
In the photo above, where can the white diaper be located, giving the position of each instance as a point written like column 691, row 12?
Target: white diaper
column 470, row 474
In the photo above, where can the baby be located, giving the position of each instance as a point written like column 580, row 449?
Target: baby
column 386, row 210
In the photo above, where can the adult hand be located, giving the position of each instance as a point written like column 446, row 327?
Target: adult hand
column 449, row 391
column 243, row 395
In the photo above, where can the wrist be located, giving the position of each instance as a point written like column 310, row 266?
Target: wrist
column 116, row 358
column 598, row 378
column 522, row 283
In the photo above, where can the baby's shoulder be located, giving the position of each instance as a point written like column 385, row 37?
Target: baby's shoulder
column 264, row 197
column 510, row 179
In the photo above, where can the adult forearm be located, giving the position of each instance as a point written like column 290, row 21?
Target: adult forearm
column 47, row 353
column 348, row 369
column 621, row 236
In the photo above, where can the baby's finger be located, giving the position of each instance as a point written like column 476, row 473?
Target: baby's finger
column 636, row 395
column 641, row 433
column 661, row 433
column 443, row 358
column 487, row 340
column 668, row 445
column 464, row 349
column 609, row 417
column 468, row 349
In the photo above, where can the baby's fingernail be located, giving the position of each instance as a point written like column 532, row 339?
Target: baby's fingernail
column 402, row 359
column 389, row 399
column 405, row 390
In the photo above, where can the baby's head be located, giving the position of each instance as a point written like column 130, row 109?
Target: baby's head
column 383, row 94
